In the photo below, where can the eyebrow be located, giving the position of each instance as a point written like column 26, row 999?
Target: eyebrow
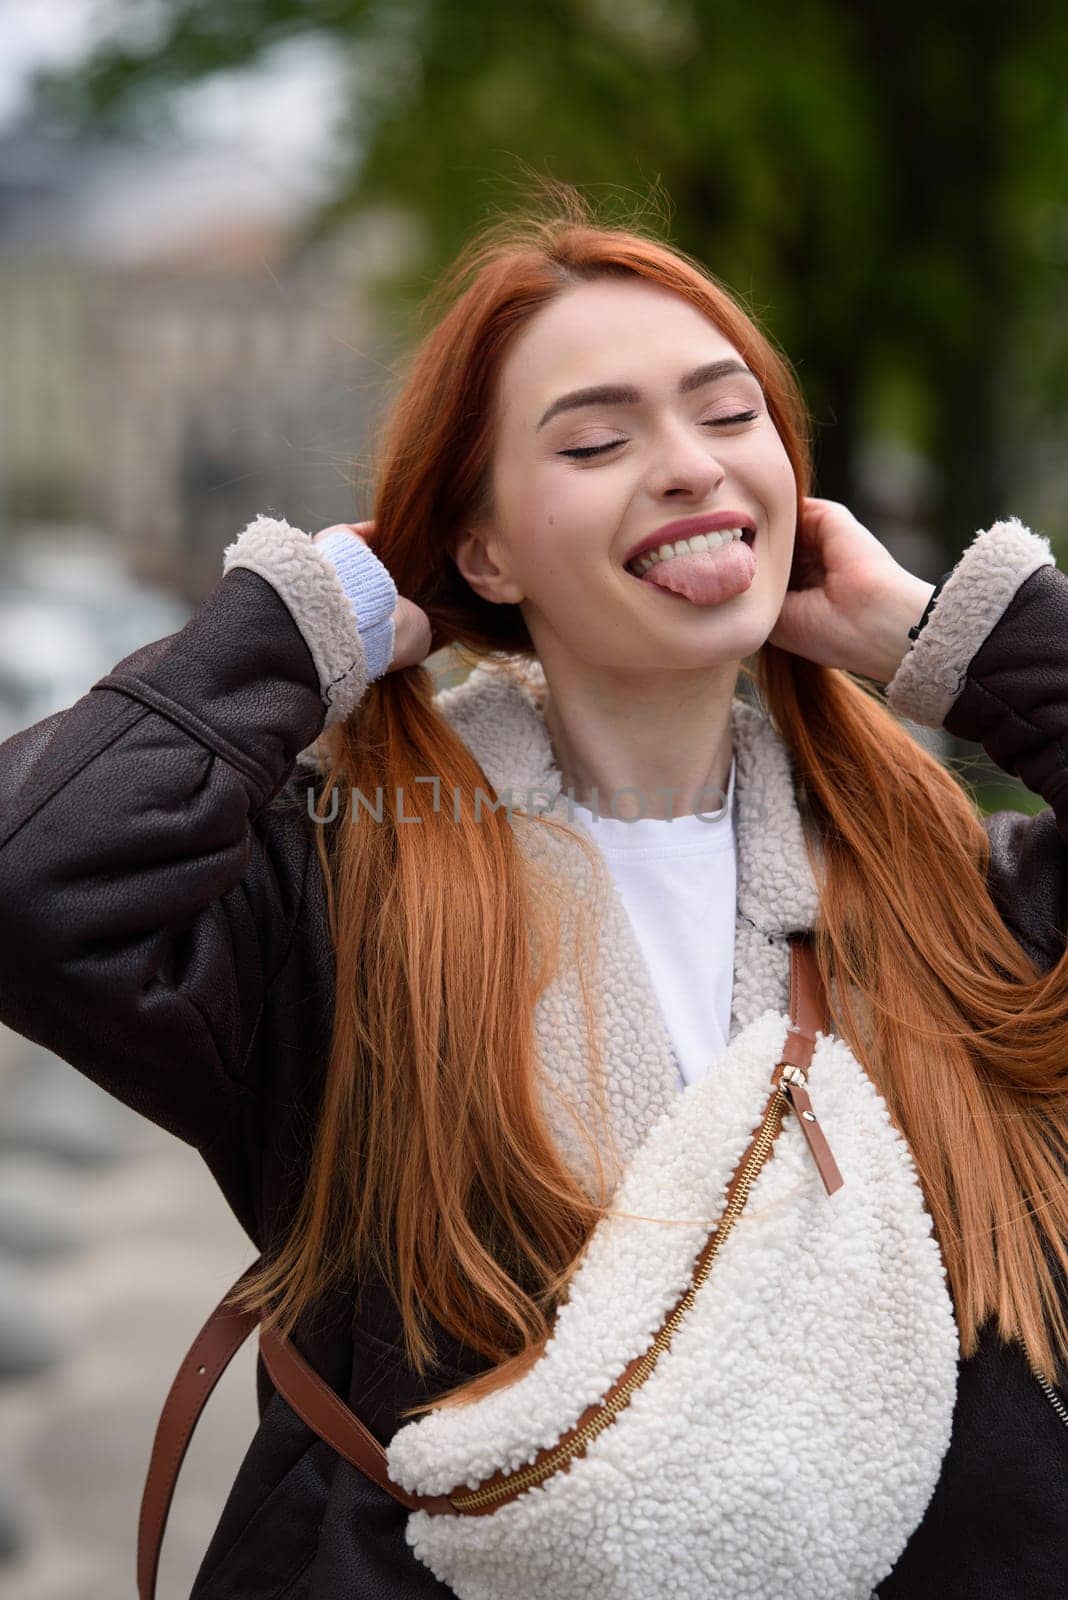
column 626, row 394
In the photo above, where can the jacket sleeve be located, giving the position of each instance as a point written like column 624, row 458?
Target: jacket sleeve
column 148, row 887
column 991, row 666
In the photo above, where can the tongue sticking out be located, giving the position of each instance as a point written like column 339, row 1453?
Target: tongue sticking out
column 706, row 577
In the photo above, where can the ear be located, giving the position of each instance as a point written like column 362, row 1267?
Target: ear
column 478, row 558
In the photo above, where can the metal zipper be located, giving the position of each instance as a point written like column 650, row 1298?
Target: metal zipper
column 1051, row 1395
column 516, row 1482
column 789, row 1089
column 1044, row 1384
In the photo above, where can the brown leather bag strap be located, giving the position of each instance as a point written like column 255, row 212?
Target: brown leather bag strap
column 208, row 1358
column 317, row 1405
column 808, row 999
column 326, row 1414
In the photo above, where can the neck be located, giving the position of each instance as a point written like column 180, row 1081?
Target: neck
column 667, row 737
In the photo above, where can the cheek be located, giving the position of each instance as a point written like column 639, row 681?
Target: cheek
column 774, row 485
column 541, row 536
column 554, row 521
column 775, row 466
column 788, row 500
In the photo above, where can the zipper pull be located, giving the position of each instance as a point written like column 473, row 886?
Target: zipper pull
column 792, row 1084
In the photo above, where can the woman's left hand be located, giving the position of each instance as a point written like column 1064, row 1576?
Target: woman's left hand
column 854, row 603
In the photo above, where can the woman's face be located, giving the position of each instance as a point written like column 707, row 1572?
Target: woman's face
column 577, row 486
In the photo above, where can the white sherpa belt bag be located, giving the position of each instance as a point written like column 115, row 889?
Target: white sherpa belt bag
column 748, row 1391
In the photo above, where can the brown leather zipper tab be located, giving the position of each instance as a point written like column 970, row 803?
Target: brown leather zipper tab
column 809, row 1012
column 815, row 1137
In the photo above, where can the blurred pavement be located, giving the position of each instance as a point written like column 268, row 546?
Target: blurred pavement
column 159, row 1248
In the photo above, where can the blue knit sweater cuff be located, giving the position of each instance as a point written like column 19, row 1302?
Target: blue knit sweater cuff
column 371, row 592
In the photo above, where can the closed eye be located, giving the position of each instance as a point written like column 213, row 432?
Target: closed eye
column 580, row 452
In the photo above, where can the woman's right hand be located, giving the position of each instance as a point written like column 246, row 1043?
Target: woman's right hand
column 411, row 625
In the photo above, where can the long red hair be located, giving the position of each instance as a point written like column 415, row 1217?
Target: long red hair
column 432, row 1160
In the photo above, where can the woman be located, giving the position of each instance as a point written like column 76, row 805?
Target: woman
column 418, row 1045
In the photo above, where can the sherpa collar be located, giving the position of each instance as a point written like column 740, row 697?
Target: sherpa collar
column 497, row 711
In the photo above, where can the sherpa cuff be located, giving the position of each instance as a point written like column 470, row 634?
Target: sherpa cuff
column 371, row 591
column 969, row 606
column 313, row 594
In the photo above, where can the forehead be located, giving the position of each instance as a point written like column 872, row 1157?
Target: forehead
column 606, row 332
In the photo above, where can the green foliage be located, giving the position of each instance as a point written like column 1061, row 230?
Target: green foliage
column 882, row 184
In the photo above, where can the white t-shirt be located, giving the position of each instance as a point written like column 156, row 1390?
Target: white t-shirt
column 678, row 881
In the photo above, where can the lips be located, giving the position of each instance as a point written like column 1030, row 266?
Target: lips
column 686, row 527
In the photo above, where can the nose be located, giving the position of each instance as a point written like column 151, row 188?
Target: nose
column 686, row 463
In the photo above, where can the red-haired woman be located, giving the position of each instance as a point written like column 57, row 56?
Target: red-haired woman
column 471, row 997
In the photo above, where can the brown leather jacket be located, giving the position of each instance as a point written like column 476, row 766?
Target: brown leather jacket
column 163, row 928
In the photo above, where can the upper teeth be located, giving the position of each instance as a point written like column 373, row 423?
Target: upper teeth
column 700, row 541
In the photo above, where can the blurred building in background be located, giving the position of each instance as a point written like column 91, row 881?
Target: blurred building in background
column 168, row 364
